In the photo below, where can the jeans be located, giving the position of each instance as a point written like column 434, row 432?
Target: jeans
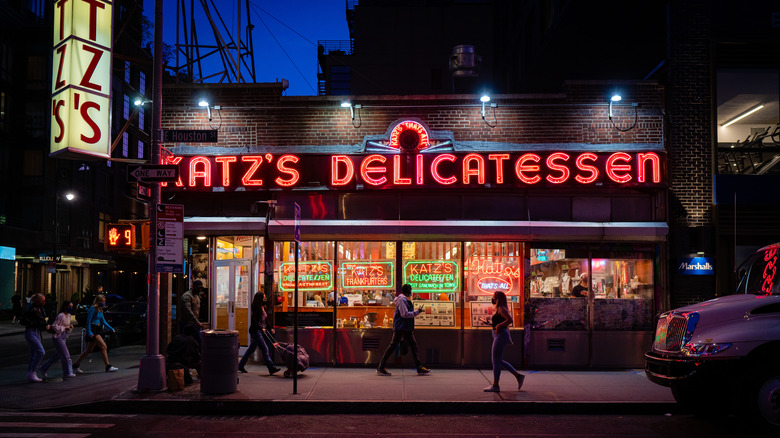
column 60, row 352
column 398, row 336
column 500, row 341
column 33, row 338
column 257, row 341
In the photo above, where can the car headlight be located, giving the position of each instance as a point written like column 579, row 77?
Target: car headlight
column 700, row 350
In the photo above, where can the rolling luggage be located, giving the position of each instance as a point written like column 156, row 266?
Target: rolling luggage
column 290, row 357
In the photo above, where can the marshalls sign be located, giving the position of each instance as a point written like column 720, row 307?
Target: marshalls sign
column 81, row 79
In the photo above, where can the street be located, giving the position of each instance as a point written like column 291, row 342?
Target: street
column 455, row 426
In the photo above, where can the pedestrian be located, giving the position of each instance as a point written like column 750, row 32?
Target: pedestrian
column 96, row 325
column 190, row 309
column 183, row 351
column 500, row 321
column 34, row 320
column 29, row 300
column 60, row 329
column 403, row 330
column 16, row 303
column 256, row 329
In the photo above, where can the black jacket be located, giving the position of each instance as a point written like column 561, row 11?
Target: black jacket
column 34, row 318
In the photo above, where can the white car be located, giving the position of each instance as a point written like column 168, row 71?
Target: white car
column 723, row 355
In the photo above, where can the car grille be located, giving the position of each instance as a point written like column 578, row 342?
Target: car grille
column 669, row 333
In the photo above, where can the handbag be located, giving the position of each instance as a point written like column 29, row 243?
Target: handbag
column 175, row 379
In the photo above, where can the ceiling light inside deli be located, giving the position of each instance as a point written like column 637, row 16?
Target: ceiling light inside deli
column 516, row 169
column 81, row 78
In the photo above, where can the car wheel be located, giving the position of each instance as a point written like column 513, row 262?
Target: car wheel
column 763, row 396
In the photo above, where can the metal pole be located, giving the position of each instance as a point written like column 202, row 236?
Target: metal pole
column 295, row 324
column 54, row 241
column 151, row 375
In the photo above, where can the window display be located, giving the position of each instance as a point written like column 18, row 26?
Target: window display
column 433, row 269
column 491, row 267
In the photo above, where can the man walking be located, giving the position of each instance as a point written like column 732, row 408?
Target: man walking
column 190, row 310
column 403, row 329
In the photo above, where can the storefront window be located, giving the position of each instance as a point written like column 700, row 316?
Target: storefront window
column 365, row 284
column 433, row 269
column 491, row 267
column 315, row 283
column 623, row 292
column 553, row 302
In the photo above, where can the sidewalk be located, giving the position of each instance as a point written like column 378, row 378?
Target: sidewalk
column 332, row 390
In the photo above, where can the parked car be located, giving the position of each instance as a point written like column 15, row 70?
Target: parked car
column 128, row 318
column 723, row 355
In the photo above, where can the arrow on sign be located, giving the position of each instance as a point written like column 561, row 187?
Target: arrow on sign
column 153, row 173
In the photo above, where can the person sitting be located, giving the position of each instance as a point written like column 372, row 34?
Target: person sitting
column 183, row 350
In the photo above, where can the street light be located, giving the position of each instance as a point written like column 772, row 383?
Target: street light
column 69, row 196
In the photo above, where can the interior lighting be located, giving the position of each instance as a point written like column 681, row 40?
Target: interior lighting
column 201, row 237
column 740, row 117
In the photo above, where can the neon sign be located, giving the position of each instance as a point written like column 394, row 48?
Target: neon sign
column 489, row 276
column 770, row 269
column 312, row 276
column 120, row 236
column 379, row 171
column 409, row 135
column 432, row 275
column 367, row 275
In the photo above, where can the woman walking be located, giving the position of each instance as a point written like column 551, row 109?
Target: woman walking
column 60, row 329
column 256, row 329
column 500, row 321
column 96, row 323
column 34, row 320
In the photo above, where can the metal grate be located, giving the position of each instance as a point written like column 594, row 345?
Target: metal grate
column 669, row 333
column 370, row 343
column 556, row 344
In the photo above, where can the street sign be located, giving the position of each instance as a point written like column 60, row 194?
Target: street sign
column 144, row 192
column 189, row 136
column 297, row 223
column 168, row 235
column 153, row 173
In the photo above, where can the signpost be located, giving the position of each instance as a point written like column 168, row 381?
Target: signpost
column 295, row 324
column 168, row 235
column 189, row 136
column 153, row 173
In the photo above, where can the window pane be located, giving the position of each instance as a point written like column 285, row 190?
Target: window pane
column 554, row 303
column 623, row 292
column 492, row 267
column 433, row 269
column 365, row 284
column 315, row 283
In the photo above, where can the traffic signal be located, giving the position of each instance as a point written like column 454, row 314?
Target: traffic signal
column 120, row 237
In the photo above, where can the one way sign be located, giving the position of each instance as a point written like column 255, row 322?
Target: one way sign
column 153, row 173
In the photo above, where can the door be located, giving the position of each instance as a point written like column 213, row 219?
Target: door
column 232, row 297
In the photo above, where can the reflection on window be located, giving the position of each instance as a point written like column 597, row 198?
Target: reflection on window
column 433, row 270
column 622, row 278
column 492, row 267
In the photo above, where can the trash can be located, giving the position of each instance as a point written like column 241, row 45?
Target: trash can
column 219, row 362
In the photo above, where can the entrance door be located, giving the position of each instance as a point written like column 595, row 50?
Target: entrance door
column 232, row 296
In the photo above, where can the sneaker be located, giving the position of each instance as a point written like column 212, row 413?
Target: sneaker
column 69, row 376
column 423, row 370
column 491, row 388
column 33, row 378
column 78, row 370
column 520, row 378
column 273, row 371
column 242, row 370
column 383, row 372
column 110, row 369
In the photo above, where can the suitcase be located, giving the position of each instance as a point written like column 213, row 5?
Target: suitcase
column 290, row 357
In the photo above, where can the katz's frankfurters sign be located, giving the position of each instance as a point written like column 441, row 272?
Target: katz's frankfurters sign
column 419, row 170
column 81, row 78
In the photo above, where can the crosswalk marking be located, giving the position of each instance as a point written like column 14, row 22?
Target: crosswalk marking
column 56, row 425
column 44, row 435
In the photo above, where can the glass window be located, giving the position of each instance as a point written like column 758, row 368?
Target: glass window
column 433, row 269
column 141, row 118
column 234, row 248
column 126, row 107
column 125, row 144
column 365, row 284
column 140, row 150
column 623, row 287
column 491, row 267
column 554, row 303
column 315, row 283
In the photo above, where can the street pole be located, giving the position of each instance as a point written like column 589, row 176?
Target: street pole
column 151, row 375
column 54, row 241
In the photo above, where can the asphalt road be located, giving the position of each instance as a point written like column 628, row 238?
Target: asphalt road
column 66, row 425
column 14, row 350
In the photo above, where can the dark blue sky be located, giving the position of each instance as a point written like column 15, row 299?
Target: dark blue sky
column 313, row 19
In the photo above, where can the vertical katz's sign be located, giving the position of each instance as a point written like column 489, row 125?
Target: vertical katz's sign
column 81, row 78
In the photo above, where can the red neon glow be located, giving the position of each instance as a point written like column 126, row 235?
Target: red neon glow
column 225, row 168
column 172, row 160
column 294, row 175
column 521, row 168
column 770, row 269
column 479, row 172
column 558, row 167
column 655, row 167
column 366, row 170
column 256, row 160
column 435, row 169
column 397, row 172
column 412, row 126
column 204, row 172
column 612, row 167
column 420, row 172
column 335, row 164
column 594, row 173
column 499, row 159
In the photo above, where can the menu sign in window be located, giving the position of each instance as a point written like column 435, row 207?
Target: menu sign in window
column 312, row 276
column 367, row 275
column 432, row 275
column 435, row 314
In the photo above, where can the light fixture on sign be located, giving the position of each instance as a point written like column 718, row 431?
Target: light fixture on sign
column 485, row 99
column 203, row 103
column 352, row 108
column 616, row 97
column 741, row 116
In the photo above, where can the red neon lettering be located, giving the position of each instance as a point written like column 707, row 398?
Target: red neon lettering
column 366, row 171
column 420, row 172
column 335, row 160
column 61, row 6
column 594, row 173
column 499, row 159
column 397, row 172
column 654, row 160
column 769, row 271
column 175, row 161
column 225, row 168
column 96, row 55
column 95, row 128
column 521, row 168
column 294, row 175
column 61, row 53
column 410, row 125
column 247, row 178
column 612, row 167
column 56, row 104
column 435, row 169
column 93, row 5
column 468, row 171
column 487, row 267
column 204, row 173
column 558, row 167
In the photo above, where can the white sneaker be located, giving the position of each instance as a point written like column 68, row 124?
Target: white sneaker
column 33, row 378
column 78, row 371
column 491, row 388
column 69, row 376
column 111, row 369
